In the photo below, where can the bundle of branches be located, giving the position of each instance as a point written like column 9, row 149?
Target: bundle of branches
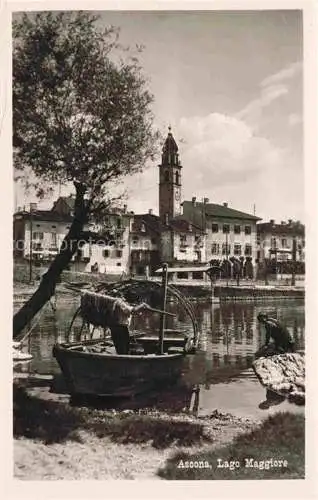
column 134, row 291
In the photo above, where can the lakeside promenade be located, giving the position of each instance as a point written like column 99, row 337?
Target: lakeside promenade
column 197, row 289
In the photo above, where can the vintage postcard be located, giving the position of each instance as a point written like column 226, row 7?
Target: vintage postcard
column 162, row 216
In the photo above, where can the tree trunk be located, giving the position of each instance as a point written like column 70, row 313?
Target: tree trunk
column 47, row 286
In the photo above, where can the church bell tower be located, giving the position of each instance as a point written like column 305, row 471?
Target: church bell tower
column 169, row 180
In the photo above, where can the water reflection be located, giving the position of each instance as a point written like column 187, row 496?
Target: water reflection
column 233, row 334
column 219, row 376
column 230, row 335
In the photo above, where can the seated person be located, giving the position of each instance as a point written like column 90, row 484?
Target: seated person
column 279, row 333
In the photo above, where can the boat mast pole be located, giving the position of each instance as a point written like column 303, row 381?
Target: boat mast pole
column 31, row 244
column 294, row 257
column 163, row 307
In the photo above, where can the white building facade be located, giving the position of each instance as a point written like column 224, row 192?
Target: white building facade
column 39, row 235
column 275, row 241
column 229, row 233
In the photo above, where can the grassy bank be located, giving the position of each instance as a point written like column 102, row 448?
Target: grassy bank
column 54, row 440
column 281, row 438
column 52, row 422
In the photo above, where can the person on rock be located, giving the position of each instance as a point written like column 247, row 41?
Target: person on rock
column 277, row 332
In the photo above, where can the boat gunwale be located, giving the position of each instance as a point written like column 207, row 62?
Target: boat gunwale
column 62, row 348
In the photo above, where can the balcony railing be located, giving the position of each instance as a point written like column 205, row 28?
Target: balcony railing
column 274, row 250
column 113, row 229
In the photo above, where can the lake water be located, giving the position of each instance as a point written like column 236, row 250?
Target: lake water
column 230, row 336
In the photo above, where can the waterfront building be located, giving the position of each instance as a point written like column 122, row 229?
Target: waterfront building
column 229, row 233
column 281, row 244
column 38, row 233
column 145, row 244
column 107, row 248
column 275, row 240
column 182, row 242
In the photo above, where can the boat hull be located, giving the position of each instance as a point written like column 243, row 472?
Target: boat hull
column 93, row 374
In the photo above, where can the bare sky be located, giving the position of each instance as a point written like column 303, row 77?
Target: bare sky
column 230, row 85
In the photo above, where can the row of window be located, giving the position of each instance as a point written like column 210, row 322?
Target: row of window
column 140, row 256
column 196, row 275
column 215, row 250
column 226, row 228
column 39, row 246
column 135, row 227
column 117, row 254
column 110, row 223
column 183, row 238
column 226, row 249
column 39, row 236
column 80, row 253
column 284, row 243
column 136, row 240
column 53, row 227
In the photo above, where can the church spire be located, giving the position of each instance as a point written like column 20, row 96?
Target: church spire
column 169, row 180
column 170, row 150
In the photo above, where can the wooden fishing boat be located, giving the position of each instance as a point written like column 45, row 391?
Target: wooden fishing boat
column 92, row 367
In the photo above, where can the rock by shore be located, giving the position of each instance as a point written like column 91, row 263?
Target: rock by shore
column 283, row 374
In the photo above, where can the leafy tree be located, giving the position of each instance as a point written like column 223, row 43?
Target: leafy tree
column 81, row 115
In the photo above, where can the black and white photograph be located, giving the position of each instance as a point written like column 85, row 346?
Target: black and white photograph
column 159, row 244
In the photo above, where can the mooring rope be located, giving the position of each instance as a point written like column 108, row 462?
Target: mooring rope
column 33, row 326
